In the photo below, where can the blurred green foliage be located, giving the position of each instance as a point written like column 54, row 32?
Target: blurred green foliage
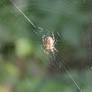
column 24, row 67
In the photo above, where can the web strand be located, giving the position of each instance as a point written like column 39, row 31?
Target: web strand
column 66, row 69
column 34, row 26
column 71, row 77
column 40, row 28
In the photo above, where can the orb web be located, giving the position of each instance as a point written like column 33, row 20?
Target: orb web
column 53, row 54
column 55, row 60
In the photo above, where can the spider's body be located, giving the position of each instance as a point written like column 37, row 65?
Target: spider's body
column 49, row 43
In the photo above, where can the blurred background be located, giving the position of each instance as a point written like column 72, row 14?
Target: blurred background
column 24, row 67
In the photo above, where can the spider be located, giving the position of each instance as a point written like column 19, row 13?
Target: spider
column 49, row 43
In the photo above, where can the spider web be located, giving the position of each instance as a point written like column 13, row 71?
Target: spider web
column 39, row 29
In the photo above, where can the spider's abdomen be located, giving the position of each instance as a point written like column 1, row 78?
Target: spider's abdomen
column 49, row 42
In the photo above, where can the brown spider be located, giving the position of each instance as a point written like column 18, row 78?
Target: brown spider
column 49, row 43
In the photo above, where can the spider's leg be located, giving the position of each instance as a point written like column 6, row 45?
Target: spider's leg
column 43, row 49
column 46, row 52
column 43, row 38
column 55, row 49
column 55, row 41
column 53, row 36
